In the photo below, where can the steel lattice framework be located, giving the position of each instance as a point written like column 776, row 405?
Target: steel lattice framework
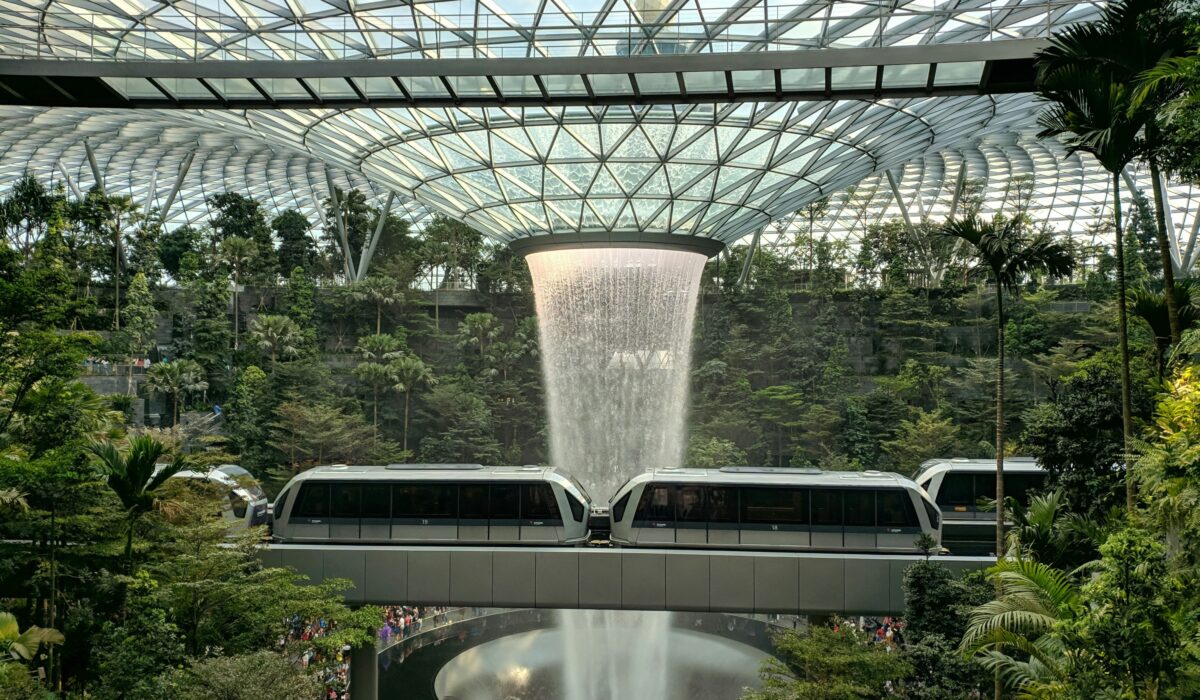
column 718, row 168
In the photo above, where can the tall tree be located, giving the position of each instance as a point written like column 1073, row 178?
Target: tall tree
column 296, row 247
column 381, row 292
column 175, row 380
column 409, row 372
column 141, row 322
column 1006, row 254
column 276, row 335
column 26, row 212
column 238, row 254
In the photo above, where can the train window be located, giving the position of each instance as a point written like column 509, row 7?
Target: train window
column 505, row 502
column 722, row 504
column 577, row 508
column 860, row 507
column 537, row 502
column 312, row 501
column 895, row 509
column 419, row 500
column 345, row 500
column 618, row 511
column 689, row 503
column 237, row 504
column 985, row 487
column 826, row 507
column 655, row 505
column 1020, row 486
column 280, row 504
column 933, row 514
column 473, row 502
column 376, row 501
column 775, row 506
column 956, row 490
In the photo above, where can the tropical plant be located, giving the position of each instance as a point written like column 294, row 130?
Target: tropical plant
column 1153, row 308
column 25, row 645
column 277, row 335
column 409, row 372
column 131, row 475
column 1006, row 255
column 477, row 330
column 1048, row 532
column 176, row 379
column 378, row 290
column 237, row 254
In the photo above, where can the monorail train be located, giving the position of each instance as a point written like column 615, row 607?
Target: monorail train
column 432, row 503
column 770, row 508
column 959, row 486
column 245, row 504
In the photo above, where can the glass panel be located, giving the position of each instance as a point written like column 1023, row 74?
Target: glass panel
column 424, row 86
column 1022, row 486
column 895, row 509
column 378, row 87
column 135, row 88
column 517, row 85
column 312, row 502
column 185, row 88
column 473, row 502
column 754, row 80
column 657, row 83
column 235, row 88
column 906, row 75
column 802, row 79
column 610, row 84
column 860, row 508
column 331, row 88
column 934, row 515
column 707, row 81
column 471, row 86
column 655, row 504
column 376, row 501
column 280, row 504
column 424, row 501
column 852, row 77
column 775, row 506
column 564, row 85
column 345, row 500
column 577, row 508
column 722, row 504
column 537, row 502
column 284, row 88
column 689, row 503
column 618, row 511
column 505, row 502
column 826, row 507
column 985, row 487
column 969, row 73
column 956, row 490
column 237, row 504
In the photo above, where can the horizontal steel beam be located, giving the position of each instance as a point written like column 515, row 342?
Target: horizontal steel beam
column 605, row 578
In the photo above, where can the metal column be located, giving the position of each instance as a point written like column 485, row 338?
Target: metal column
column 87, row 147
column 347, row 260
column 745, row 276
column 364, row 673
column 364, row 263
column 183, row 171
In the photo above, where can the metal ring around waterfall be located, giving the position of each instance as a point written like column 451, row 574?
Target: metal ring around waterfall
column 565, row 241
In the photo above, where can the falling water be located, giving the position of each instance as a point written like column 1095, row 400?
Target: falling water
column 616, row 329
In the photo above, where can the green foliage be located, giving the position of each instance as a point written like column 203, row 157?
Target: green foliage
column 254, row 676
column 828, row 663
column 129, row 656
column 248, row 414
column 460, row 425
column 937, row 601
column 928, row 435
column 713, row 453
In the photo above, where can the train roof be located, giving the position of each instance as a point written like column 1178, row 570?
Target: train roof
column 959, row 464
column 426, row 472
column 777, row 475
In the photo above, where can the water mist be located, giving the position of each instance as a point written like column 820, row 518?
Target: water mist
column 616, row 331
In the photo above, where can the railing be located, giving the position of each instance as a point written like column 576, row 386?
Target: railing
column 173, row 33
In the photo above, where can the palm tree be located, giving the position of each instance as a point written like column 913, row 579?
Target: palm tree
column 1090, row 112
column 380, row 291
column 25, row 645
column 176, row 379
column 237, row 253
column 1130, row 39
column 376, row 350
column 1047, row 531
column 410, row 372
column 132, row 477
column 378, row 376
column 1154, row 309
column 1006, row 254
column 1014, row 634
column 477, row 329
column 276, row 335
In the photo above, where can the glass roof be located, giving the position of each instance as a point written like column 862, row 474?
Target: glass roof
column 722, row 170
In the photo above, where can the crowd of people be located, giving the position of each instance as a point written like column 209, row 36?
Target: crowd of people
column 335, row 673
column 887, row 630
column 403, row 621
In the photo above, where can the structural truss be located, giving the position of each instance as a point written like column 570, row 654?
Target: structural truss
column 551, row 117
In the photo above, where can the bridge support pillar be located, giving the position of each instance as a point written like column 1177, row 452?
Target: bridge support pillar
column 364, row 673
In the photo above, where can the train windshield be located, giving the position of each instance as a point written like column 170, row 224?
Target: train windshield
column 582, row 491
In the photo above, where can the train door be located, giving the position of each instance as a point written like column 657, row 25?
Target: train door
column 722, row 507
column 540, row 519
column 504, row 513
column 309, row 518
column 691, row 521
column 424, row 511
column 859, row 527
column 344, row 511
column 826, row 519
column 896, row 519
column 375, row 515
column 654, row 519
column 473, row 513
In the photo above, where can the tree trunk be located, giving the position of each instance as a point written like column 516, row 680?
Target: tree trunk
column 375, row 413
column 1123, row 332
column 999, row 421
column 129, row 549
column 117, row 284
column 1164, row 252
column 378, row 319
column 407, row 394
column 235, row 314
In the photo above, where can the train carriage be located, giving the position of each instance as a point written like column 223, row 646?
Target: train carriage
column 769, row 508
column 432, row 503
column 960, row 488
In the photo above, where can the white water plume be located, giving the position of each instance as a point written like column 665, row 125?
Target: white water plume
column 616, row 334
